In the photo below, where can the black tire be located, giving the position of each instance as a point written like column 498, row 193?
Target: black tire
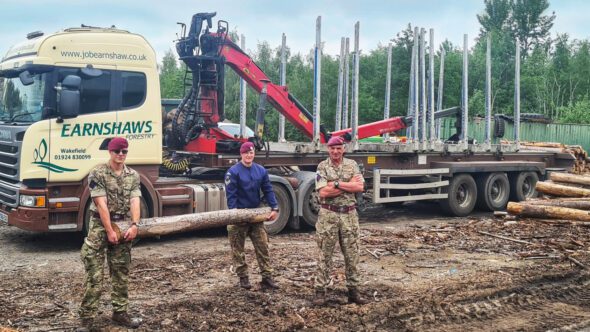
column 462, row 192
column 522, row 186
column 311, row 206
column 499, row 127
column 284, row 200
column 493, row 191
column 143, row 208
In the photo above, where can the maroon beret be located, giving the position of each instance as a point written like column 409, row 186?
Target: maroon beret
column 335, row 140
column 118, row 143
column 248, row 146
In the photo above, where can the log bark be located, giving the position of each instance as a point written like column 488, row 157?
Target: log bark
column 560, row 190
column 580, row 205
column 570, row 178
column 544, row 212
column 157, row 226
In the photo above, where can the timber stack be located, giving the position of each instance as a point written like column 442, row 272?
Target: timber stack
column 582, row 162
column 565, row 199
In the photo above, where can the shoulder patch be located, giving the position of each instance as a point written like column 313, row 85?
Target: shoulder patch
column 318, row 176
column 227, row 178
column 92, row 184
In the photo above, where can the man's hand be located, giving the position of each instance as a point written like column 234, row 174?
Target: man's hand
column 112, row 237
column 272, row 215
column 130, row 234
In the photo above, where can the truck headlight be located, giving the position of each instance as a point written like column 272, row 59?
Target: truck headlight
column 32, row 201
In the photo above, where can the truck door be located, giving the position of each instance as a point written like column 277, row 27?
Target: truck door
column 75, row 144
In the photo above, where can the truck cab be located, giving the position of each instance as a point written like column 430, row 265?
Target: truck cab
column 62, row 97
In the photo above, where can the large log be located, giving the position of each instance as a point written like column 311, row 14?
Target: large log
column 150, row 227
column 570, row 178
column 560, row 190
column 577, row 204
column 544, row 212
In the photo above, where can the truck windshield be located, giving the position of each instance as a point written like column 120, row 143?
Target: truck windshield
column 22, row 103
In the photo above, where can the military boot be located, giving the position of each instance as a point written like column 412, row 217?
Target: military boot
column 354, row 296
column 122, row 318
column 319, row 297
column 87, row 324
column 245, row 283
column 268, row 283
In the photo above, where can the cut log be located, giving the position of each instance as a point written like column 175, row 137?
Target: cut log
column 544, row 212
column 570, row 178
column 157, row 226
column 579, row 204
column 560, row 190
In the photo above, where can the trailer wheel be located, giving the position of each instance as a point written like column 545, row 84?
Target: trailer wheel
column 144, row 212
column 493, row 190
column 462, row 196
column 311, row 206
column 522, row 186
column 276, row 226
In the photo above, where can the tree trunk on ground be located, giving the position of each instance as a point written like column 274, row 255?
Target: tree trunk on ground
column 544, row 212
column 157, row 226
column 579, row 204
column 561, row 191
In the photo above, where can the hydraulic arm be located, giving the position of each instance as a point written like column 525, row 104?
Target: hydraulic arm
column 205, row 53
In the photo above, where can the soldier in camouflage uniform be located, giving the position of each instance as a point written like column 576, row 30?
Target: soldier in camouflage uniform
column 243, row 184
column 115, row 192
column 338, row 179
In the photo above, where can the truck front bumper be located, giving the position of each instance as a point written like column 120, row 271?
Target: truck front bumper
column 30, row 219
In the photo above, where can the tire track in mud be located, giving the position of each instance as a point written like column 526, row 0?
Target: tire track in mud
column 549, row 303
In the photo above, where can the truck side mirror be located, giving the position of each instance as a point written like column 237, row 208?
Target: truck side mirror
column 26, row 78
column 69, row 97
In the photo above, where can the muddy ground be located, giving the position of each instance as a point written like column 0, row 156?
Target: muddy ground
column 422, row 272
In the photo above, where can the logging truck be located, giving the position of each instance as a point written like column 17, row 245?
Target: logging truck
column 65, row 95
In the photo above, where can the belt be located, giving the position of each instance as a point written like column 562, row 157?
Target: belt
column 114, row 216
column 338, row 208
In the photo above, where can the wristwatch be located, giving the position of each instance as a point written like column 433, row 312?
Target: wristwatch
column 336, row 184
column 275, row 209
column 134, row 224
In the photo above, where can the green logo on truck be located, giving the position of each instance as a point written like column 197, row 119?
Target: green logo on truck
column 39, row 155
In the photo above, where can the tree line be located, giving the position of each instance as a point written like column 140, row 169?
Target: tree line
column 555, row 72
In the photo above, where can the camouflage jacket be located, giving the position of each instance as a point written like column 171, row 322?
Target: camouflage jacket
column 102, row 181
column 328, row 172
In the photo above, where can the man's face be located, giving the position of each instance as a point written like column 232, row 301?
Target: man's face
column 118, row 156
column 336, row 151
column 248, row 156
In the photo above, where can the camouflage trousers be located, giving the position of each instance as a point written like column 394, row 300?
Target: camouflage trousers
column 118, row 258
column 237, row 239
column 333, row 227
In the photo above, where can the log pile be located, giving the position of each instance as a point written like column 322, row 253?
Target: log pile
column 581, row 163
column 566, row 199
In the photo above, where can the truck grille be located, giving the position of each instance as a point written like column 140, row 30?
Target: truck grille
column 10, row 164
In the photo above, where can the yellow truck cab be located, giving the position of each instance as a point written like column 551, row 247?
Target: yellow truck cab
column 63, row 96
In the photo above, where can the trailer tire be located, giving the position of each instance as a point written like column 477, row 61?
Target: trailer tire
column 522, row 186
column 144, row 212
column 276, row 226
column 462, row 192
column 311, row 207
column 493, row 191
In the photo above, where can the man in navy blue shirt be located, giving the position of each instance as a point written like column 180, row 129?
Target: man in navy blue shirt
column 243, row 183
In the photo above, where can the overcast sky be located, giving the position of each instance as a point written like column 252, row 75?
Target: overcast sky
column 266, row 20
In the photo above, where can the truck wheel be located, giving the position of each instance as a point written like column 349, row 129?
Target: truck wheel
column 144, row 212
column 493, row 190
column 276, row 226
column 311, row 206
column 462, row 196
column 522, row 186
